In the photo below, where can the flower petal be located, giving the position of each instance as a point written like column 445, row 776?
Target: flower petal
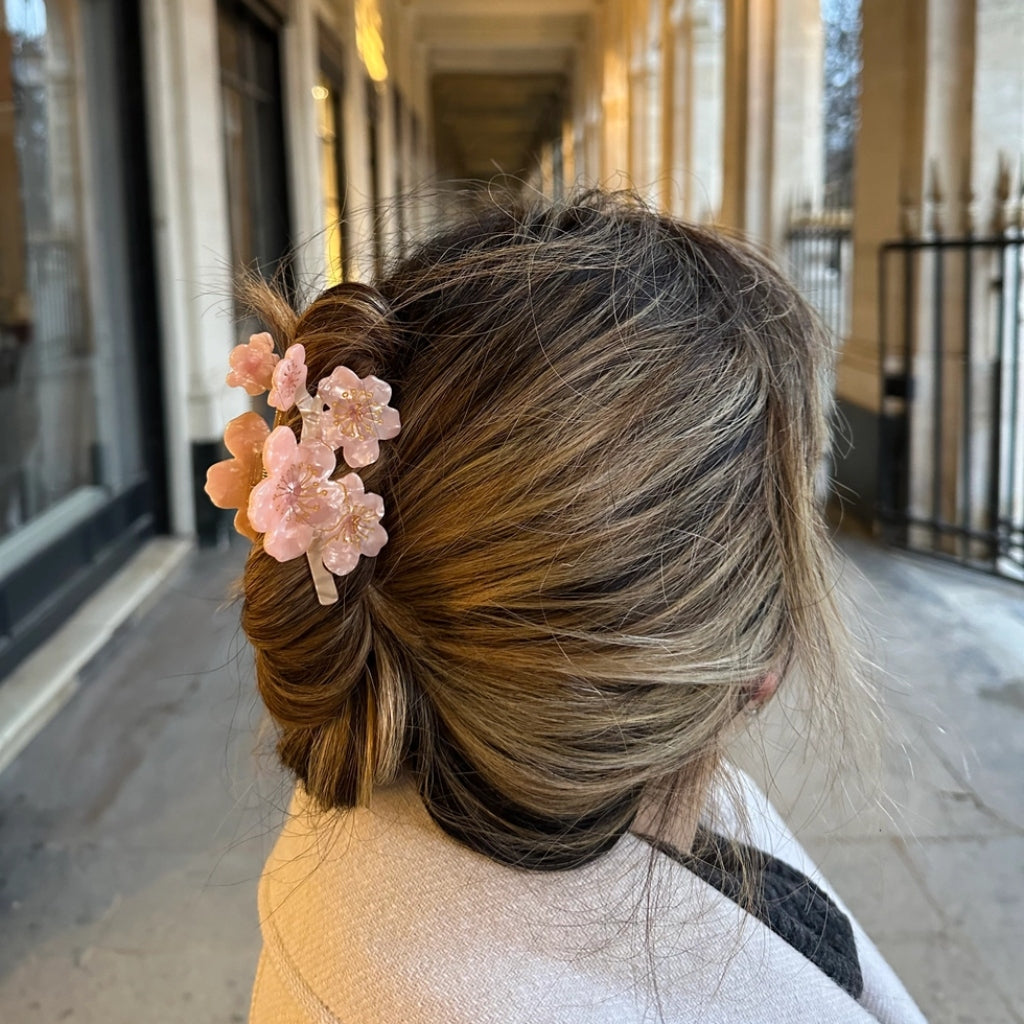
column 253, row 364
column 227, row 484
column 375, row 539
column 390, row 423
column 380, row 389
column 246, row 433
column 243, row 526
column 341, row 379
column 323, row 508
column 359, row 453
column 341, row 558
column 289, row 378
column 279, row 450
column 353, row 484
column 319, row 456
column 262, row 514
column 287, row 539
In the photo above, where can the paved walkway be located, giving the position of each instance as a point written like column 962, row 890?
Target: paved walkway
column 132, row 830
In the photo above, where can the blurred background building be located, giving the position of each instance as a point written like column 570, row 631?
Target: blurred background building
column 152, row 149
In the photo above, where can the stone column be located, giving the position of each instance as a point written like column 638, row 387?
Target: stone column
column 360, row 186
column 575, row 117
column 592, row 100
column 694, row 141
column 300, row 75
column 655, row 111
column 615, row 150
column 749, row 97
column 798, row 152
column 191, row 235
column 997, row 130
column 772, row 145
column 678, row 99
column 641, row 97
column 915, row 130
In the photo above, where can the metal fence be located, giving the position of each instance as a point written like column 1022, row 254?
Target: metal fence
column 951, row 466
column 819, row 256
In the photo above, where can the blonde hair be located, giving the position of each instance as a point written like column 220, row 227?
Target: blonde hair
column 603, row 527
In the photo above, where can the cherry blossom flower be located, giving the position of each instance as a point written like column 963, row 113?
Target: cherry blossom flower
column 289, row 379
column 356, row 415
column 230, row 482
column 358, row 531
column 252, row 365
column 298, row 499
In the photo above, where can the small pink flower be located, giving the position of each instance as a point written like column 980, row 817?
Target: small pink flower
column 358, row 531
column 230, row 482
column 298, row 499
column 289, row 378
column 252, row 365
column 356, row 415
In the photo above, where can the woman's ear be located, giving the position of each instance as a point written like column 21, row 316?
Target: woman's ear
column 764, row 691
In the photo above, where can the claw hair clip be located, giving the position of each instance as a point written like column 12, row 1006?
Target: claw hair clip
column 284, row 488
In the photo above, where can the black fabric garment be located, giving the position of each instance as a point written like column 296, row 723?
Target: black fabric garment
column 779, row 896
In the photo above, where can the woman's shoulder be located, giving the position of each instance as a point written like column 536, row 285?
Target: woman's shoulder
column 390, row 918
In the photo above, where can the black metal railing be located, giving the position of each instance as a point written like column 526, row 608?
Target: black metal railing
column 951, row 452
column 819, row 258
column 58, row 302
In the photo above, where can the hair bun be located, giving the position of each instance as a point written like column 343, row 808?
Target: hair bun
column 335, row 701
column 347, row 325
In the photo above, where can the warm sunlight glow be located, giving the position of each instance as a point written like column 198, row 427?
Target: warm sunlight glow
column 369, row 41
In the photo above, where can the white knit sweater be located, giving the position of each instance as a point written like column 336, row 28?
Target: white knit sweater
column 377, row 917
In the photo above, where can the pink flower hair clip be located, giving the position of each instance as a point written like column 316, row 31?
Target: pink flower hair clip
column 283, row 487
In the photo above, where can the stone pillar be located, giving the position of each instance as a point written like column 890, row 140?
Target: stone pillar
column 677, row 93
column 915, row 125
column 592, row 100
column 749, row 98
column 998, row 119
column 574, row 119
column 360, row 185
column 997, row 128
column 772, row 146
column 615, row 150
column 642, row 96
column 654, row 112
column 798, row 152
column 695, row 54
column 300, row 76
column 191, row 235
column 569, row 140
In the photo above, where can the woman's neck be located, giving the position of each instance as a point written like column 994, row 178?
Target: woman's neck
column 671, row 813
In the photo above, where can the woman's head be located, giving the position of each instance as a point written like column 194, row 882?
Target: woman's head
column 603, row 526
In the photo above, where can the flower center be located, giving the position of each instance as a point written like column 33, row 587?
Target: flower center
column 300, row 491
column 354, row 527
column 356, row 414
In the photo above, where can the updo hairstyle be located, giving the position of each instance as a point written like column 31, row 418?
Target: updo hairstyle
column 603, row 527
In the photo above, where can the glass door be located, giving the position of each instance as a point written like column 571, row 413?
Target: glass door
column 250, row 75
column 82, row 474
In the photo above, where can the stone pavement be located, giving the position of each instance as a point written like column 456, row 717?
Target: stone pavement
column 928, row 849
column 132, row 830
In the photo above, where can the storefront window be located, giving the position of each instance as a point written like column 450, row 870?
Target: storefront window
column 56, row 371
column 250, row 75
column 81, row 462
